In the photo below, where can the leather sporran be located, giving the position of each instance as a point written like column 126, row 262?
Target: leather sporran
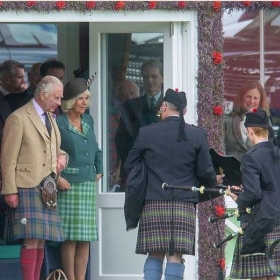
column 49, row 192
column 57, row 274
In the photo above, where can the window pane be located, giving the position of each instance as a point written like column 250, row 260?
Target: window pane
column 126, row 53
column 241, row 51
column 272, row 64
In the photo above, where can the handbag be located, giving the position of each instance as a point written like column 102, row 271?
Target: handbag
column 57, row 274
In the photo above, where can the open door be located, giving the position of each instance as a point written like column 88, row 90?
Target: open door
column 117, row 51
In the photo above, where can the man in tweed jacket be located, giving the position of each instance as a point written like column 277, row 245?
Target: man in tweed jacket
column 29, row 154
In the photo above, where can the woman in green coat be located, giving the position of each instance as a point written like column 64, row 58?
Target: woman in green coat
column 77, row 183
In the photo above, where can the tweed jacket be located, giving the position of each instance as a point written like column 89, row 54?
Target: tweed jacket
column 24, row 149
column 85, row 157
column 234, row 143
column 184, row 163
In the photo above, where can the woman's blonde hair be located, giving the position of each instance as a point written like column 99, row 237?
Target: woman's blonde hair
column 66, row 105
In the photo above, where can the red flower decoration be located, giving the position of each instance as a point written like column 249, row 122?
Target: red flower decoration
column 30, row 3
column 217, row 5
column 247, row 3
column 1, row 3
column 220, row 211
column 176, row 89
column 182, row 4
column 275, row 4
column 90, row 5
column 218, row 110
column 255, row 110
column 222, row 263
column 119, row 5
column 217, row 57
column 60, row 5
column 152, row 4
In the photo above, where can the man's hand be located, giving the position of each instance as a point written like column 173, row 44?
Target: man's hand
column 12, row 200
column 61, row 163
column 219, row 179
column 232, row 195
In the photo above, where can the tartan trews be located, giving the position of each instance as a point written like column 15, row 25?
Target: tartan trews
column 77, row 209
column 155, row 227
column 33, row 219
column 254, row 266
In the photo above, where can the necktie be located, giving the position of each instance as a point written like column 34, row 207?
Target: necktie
column 48, row 123
column 153, row 105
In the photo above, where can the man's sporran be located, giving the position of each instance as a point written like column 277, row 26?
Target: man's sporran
column 49, row 192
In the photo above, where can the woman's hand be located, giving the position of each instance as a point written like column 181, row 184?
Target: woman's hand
column 98, row 177
column 63, row 184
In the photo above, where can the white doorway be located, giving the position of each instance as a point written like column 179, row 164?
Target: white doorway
column 113, row 257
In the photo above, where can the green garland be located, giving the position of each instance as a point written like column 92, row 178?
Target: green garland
column 210, row 84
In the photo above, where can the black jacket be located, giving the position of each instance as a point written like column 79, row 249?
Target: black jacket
column 184, row 163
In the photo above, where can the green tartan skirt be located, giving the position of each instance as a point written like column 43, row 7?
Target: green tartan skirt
column 77, row 209
column 155, row 227
column 254, row 266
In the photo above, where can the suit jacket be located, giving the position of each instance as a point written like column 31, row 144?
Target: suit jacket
column 24, row 149
column 260, row 179
column 184, row 163
column 85, row 158
column 4, row 113
column 16, row 100
column 139, row 114
column 234, row 143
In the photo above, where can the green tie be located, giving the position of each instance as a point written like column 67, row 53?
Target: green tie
column 153, row 105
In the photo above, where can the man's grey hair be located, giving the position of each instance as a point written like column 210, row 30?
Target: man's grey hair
column 154, row 63
column 47, row 84
column 171, row 106
column 7, row 68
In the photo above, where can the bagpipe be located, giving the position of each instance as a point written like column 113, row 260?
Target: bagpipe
column 220, row 190
column 230, row 167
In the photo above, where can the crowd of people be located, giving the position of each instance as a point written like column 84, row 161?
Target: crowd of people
column 48, row 144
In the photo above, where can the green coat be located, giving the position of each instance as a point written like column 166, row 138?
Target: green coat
column 85, row 157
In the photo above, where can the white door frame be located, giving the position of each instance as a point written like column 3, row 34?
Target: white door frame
column 114, row 256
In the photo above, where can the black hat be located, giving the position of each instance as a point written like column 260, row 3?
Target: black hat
column 257, row 118
column 74, row 87
column 179, row 99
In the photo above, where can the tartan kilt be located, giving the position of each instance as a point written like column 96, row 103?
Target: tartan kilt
column 33, row 219
column 255, row 266
column 77, row 209
column 154, row 231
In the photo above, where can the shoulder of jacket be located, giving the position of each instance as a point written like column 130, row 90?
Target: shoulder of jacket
column 197, row 128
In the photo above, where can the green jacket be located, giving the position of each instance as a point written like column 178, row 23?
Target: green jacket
column 85, row 157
